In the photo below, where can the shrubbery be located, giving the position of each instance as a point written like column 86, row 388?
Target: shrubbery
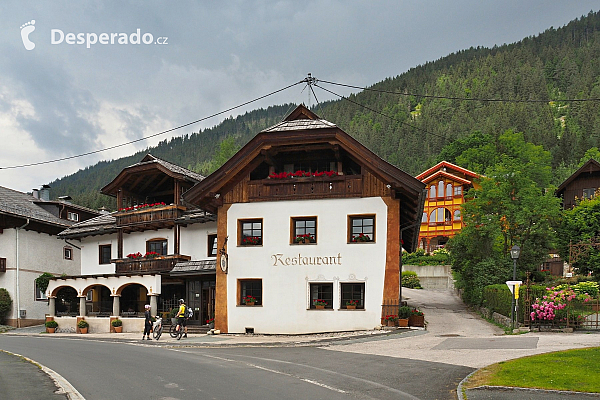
column 419, row 257
column 5, row 303
column 498, row 298
column 410, row 280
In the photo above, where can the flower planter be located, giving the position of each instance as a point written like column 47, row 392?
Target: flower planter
column 83, row 330
column 403, row 323
column 320, row 307
column 118, row 329
column 391, row 322
column 250, row 303
column 211, row 325
column 351, row 307
column 50, row 330
column 416, row 320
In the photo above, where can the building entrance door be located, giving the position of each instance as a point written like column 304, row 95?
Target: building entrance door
column 201, row 297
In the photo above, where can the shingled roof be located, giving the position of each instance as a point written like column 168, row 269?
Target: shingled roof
column 19, row 204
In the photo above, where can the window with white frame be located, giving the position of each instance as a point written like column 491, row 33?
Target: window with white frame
column 72, row 216
column 68, row 253
column 39, row 295
column 212, row 246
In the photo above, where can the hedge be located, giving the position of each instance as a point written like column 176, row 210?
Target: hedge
column 498, row 298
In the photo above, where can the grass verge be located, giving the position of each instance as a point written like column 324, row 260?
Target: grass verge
column 576, row 370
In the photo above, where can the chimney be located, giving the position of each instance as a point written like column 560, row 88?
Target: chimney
column 45, row 193
column 35, row 193
column 66, row 199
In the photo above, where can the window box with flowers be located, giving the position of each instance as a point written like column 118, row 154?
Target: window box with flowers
column 249, row 300
column 304, row 239
column 352, row 304
column 416, row 318
column 320, row 304
column 134, row 256
column 361, row 237
column 151, row 254
column 251, row 241
column 143, row 207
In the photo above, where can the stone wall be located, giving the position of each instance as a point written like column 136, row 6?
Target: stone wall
column 433, row 276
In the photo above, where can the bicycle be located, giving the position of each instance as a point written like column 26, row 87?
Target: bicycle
column 174, row 332
column 157, row 328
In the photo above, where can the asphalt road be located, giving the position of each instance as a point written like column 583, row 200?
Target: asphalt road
column 109, row 370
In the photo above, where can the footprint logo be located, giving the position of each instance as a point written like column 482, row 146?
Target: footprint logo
column 26, row 29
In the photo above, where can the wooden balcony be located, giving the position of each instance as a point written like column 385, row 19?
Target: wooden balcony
column 305, row 188
column 150, row 218
column 158, row 264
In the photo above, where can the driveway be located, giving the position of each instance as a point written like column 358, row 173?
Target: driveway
column 458, row 336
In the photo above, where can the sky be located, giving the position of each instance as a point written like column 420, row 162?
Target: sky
column 82, row 76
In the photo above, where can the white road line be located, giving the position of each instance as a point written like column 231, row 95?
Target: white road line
column 60, row 382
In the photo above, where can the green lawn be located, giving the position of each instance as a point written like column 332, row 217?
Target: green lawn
column 576, row 370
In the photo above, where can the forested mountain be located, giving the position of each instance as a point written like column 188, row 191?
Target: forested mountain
column 425, row 110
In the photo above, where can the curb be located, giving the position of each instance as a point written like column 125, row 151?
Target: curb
column 61, row 383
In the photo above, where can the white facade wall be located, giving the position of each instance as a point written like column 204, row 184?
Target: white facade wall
column 38, row 253
column 285, row 289
column 193, row 243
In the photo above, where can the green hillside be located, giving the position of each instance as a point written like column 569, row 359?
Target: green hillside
column 558, row 64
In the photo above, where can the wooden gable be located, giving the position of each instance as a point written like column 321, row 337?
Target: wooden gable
column 586, row 177
column 304, row 142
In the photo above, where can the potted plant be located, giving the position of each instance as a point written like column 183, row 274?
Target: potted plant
column 251, row 241
column 404, row 313
column 249, row 300
column 391, row 319
column 151, row 254
column 320, row 304
column 117, row 324
column 83, row 326
column 352, row 304
column 416, row 318
column 211, row 323
column 51, row 326
column 173, row 315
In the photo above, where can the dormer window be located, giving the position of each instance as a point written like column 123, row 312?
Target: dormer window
column 73, row 216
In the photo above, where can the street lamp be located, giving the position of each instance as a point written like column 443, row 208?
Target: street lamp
column 515, row 251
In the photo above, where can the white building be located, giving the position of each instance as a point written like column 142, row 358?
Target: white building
column 290, row 243
column 29, row 246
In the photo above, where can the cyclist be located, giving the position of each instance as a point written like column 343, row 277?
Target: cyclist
column 181, row 318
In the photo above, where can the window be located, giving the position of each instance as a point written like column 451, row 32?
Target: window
column 441, row 189
column 449, row 190
column 457, row 215
column 105, row 254
column 250, row 232
column 353, row 294
column 457, row 191
column 440, row 216
column 90, row 295
column 212, row 246
column 157, row 246
column 432, row 192
column 71, row 216
column 362, row 229
column 588, row 193
column 323, row 293
column 68, row 253
column 2, row 264
column 250, row 287
column 304, row 229
column 39, row 295
column 424, row 218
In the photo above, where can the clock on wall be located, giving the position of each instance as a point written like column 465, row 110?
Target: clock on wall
column 223, row 262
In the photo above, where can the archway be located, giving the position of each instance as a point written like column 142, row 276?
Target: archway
column 133, row 298
column 67, row 303
column 98, row 302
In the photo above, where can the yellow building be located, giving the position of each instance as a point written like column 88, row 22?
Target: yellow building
column 446, row 185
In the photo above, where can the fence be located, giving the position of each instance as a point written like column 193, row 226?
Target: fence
column 390, row 307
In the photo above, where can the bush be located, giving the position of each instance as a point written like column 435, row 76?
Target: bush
column 43, row 280
column 51, row 324
column 498, row 298
column 117, row 322
column 419, row 257
column 404, row 312
column 83, row 324
column 5, row 304
column 410, row 280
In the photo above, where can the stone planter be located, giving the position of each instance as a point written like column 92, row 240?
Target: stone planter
column 416, row 320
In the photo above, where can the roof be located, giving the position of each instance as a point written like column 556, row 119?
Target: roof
column 23, row 205
column 195, row 267
column 148, row 163
column 446, row 175
column 68, row 204
column 447, row 165
column 103, row 224
column 590, row 166
column 107, row 223
column 301, row 128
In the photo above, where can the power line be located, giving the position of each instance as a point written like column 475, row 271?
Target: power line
column 379, row 112
column 155, row 134
column 428, row 96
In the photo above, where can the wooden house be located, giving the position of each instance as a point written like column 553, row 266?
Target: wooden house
column 581, row 185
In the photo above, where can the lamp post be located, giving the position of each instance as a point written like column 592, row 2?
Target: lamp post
column 515, row 251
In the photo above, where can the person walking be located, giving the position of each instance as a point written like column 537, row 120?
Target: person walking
column 147, row 323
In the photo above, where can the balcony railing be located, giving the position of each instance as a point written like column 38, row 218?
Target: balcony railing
column 305, row 188
column 158, row 264
column 150, row 216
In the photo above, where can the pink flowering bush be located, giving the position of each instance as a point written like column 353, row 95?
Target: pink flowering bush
column 555, row 304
